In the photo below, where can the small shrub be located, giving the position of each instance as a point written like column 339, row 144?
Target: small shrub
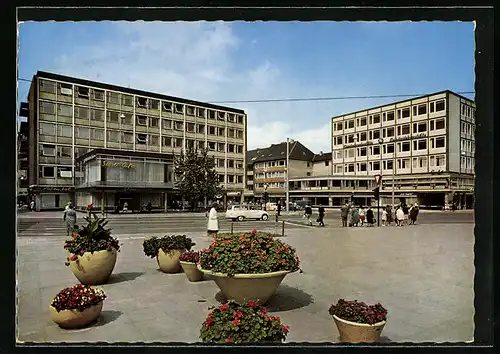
column 167, row 243
column 249, row 253
column 78, row 297
column 191, row 257
column 233, row 323
column 358, row 312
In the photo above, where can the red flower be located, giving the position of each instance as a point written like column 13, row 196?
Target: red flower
column 285, row 329
column 210, row 314
column 236, row 322
column 254, row 231
column 228, row 242
column 252, row 303
column 209, row 322
column 263, row 311
column 74, row 257
column 229, row 340
column 238, row 315
column 224, row 307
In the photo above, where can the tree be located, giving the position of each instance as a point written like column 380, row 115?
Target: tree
column 196, row 175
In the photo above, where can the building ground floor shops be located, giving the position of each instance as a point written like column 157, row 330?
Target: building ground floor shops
column 50, row 198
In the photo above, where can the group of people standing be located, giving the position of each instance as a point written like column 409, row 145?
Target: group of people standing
column 354, row 216
column 401, row 215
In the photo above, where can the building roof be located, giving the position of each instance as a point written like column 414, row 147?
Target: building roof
column 322, row 156
column 104, row 86
column 402, row 101
column 278, row 152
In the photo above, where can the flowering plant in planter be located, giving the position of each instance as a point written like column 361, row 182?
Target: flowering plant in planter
column 78, row 297
column 168, row 244
column 91, row 238
column 249, row 323
column 190, row 257
column 248, row 253
column 358, row 312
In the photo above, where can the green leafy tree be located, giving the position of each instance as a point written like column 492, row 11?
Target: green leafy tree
column 196, row 175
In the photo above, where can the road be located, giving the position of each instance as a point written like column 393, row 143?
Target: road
column 51, row 224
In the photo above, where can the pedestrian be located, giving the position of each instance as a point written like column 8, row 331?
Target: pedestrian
column 355, row 217
column 125, row 207
column 149, row 207
column 32, row 205
column 413, row 214
column 390, row 213
column 405, row 213
column 213, row 221
column 370, row 219
column 384, row 217
column 69, row 217
column 344, row 213
column 400, row 216
column 321, row 215
column 308, row 213
column 279, row 208
column 361, row 215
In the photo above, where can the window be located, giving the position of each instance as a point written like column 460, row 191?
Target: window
column 200, row 112
column 211, row 130
column 221, row 178
column 190, row 127
column 64, row 151
column 113, row 116
column 239, row 179
column 167, row 106
column 230, row 148
column 97, row 134
column 420, row 144
column 376, row 134
column 82, row 92
column 127, row 137
column 440, row 123
column 240, row 119
column 141, row 102
column 221, row 147
column 47, row 107
column 405, row 129
column 221, row 131
column 339, row 126
column 376, row 166
column 166, row 141
column 390, row 131
column 362, row 121
column 47, row 86
column 405, row 113
column 154, row 122
column 220, row 163
column 431, row 107
column 327, row 163
column 415, row 111
column 350, row 167
column 142, row 138
column 81, row 132
column 440, row 142
column 440, row 160
column 431, row 125
column 390, row 116
column 440, row 105
column 362, row 136
column 127, row 100
column 405, row 146
column 230, row 163
column 376, row 150
column 113, row 97
column 390, row 148
column 64, row 110
column 98, row 94
column 153, row 140
column 211, row 145
column 350, row 124
column 153, row 104
column 65, row 131
column 362, row 151
column 239, row 134
column 362, row 167
column 190, row 110
column 422, row 162
column 221, row 115
column 338, row 140
column 141, row 120
column 48, row 150
column 79, row 151
column 338, row 168
column 211, row 114
column 48, row 171
column 422, row 127
column 422, row 109
column 239, row 149
column 81, row 113
column 97, row 114
column 376, row 118
column 113, row 136
column 389, row 165
column 404, row 163
column 66, row 89
column 200, row 128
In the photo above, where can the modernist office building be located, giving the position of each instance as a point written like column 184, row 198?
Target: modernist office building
column 425, row 145
column 91, row 142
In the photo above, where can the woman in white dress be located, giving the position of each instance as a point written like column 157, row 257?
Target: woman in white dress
column 213, row 221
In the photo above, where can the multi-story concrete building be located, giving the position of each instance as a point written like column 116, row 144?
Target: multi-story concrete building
column 267, row 168
column 22, row 162
column 83, row 133
column 422, row 147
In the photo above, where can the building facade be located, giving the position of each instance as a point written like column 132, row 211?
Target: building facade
column 267, row 168
column 423, row 148
column 69, row 117
column 22, row 163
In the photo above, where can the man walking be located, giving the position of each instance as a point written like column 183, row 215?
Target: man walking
column 321, row 215
column 344, row 212
column 70, row 218
column 279, row 208
column 308, row 213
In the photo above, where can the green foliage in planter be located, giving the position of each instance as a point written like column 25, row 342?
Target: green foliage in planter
column 91, row 238
column 233, row 323
column 167, row 243
column 248, row 253
column 359, row 312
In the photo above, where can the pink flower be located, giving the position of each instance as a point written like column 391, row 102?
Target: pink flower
column 224, row 307
column 285, row 329
column 229, row 340
column 236, row 322
column 263, row 311
column 252, row 303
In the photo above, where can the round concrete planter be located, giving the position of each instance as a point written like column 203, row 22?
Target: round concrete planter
column 169, row 261
column 242, row 288
column 75, row 318
column 353, row 332
column 94, row 268
column 191, row 270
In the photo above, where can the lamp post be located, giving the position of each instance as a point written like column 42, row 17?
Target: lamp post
column 265, row 195
column 355, row 138
column 381, row 141
column 287, row 187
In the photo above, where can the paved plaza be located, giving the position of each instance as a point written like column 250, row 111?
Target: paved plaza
column 422, row 274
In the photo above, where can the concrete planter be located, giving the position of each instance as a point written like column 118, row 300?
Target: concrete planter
column 353, row 332
column 94, row 268
column 191, row 270
column 74, row 318
column 242, row 288
column 169, row 262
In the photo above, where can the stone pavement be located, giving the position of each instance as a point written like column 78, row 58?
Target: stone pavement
column 423, row 275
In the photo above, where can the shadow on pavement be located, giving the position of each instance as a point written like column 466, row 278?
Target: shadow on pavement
column 107, row 317
column 123, row 277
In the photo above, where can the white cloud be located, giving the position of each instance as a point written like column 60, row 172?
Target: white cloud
column 196, row 61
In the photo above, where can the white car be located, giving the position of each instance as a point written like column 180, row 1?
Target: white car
column 240, row 213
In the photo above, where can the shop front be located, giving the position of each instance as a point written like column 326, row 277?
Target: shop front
column 50, row 197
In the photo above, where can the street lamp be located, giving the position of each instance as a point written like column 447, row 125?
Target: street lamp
column 265, row 195
column 122, row 116
column 380, row 141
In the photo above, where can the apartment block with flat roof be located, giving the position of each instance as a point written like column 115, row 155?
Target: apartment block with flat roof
column 70, row 117
column 423, row 148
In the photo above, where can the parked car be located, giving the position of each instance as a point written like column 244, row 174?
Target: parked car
column 271, row 206
column 241, row 212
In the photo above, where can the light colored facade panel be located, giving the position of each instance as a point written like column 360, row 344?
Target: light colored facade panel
column 453, row 140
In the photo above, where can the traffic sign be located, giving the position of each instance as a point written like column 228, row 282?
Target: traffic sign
column 378, row 178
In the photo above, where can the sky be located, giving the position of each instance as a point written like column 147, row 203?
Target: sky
column 241, row 61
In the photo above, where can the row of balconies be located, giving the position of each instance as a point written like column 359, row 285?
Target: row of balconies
column 391, row 155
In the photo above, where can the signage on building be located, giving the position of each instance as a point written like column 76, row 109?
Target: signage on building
column 117, row 164
column 52, row 189
column 408, row 137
